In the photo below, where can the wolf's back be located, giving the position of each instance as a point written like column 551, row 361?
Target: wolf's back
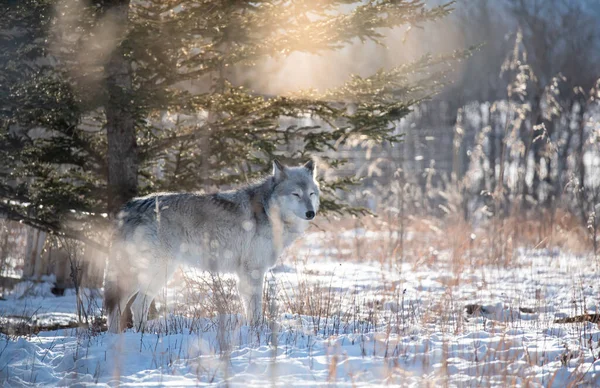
column 135, row 213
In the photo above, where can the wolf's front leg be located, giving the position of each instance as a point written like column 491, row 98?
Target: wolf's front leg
column 250, row 287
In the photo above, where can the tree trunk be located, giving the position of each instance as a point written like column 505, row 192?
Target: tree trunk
column 493, row 149
column 581, row 194
column 122, row 158
column 533, row 147
column 120, row 117
column 562, row 164
column 35, row 263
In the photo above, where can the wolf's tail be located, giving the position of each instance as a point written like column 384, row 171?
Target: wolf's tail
column 111, row 305
column 118, row 283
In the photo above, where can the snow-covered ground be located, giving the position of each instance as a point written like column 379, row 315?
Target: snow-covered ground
column 355, row 323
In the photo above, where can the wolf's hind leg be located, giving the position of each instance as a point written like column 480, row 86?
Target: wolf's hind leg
column 151, row 283
column 117, row 296
column 250, row 287
column 119, row 287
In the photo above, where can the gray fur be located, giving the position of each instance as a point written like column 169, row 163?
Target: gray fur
column 240, row 231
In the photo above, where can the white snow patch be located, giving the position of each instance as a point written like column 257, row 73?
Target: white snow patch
column 360, row 324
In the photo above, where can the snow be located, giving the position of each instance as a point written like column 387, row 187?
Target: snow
column 356, row 323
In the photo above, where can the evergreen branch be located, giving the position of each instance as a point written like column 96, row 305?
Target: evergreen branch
column 49, row 227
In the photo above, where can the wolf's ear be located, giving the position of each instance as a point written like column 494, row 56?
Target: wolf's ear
column 278, row 170
column 310, row 166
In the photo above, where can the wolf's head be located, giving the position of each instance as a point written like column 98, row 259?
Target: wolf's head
column 296, row 192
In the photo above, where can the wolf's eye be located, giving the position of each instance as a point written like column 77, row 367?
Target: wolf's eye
column 311, row 194
column 296, row 195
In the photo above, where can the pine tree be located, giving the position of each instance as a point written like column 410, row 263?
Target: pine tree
column 84, row 98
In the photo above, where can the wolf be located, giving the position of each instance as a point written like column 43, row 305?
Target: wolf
column 240, row 231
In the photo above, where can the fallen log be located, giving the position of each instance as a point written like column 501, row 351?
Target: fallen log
column 593, row 318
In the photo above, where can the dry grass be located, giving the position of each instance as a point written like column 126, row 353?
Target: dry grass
column 386, row 318
column 493, row 241
column 385, row 321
